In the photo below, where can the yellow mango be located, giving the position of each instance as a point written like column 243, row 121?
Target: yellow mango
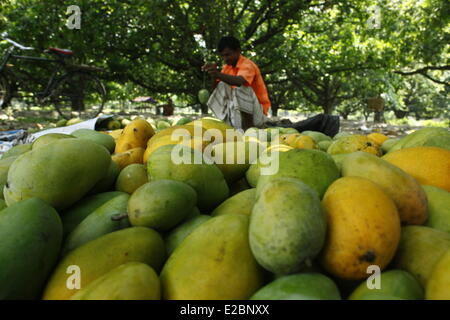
column 408, row 195
column 115, row 133
column 304, row 142
column 429, row 165
column 363, row 228
column 377, row 137
column 134, row 135
column 214, row 262
column 126, row 158
column 129, row 281
column 99, row 256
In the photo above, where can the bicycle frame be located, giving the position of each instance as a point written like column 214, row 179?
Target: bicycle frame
column 9, row 55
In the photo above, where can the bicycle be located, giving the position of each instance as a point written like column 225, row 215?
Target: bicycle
column 73, row 90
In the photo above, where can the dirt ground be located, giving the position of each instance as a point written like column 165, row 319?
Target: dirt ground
column 38, row 120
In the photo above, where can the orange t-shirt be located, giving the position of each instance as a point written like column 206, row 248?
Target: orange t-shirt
column 250, row 72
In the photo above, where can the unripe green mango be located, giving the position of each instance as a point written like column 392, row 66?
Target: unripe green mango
column 131, row 177
column 99, row 222
column 108, row 182
column 240, row 203
column 2, row 204
column 287, row 225
column 129, row 281
column 313, row 167
column 303, row 286
column 161, row 204
column 80, row 210
column 213, row 262
column 438, row 208
column 396, row 283
column 420, row 138
column 102, row 139
column 49, row 138
column 99, row 256
column 5, row 164
column 177, row 235
column 419, row 250
column 204, row 177
column 17, row 150
column 60, row 173
column 31, row 236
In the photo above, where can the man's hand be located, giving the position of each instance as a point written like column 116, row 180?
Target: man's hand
column 212, row 69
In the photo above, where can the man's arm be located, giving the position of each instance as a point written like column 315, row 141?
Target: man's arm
column 231, row 80
column 214, row 72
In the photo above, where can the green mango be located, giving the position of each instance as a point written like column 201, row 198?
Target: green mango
column 131, row 177
column 161, row 204
column 304, row 286
column 239, row 186
column 194, row 213
column 99, row 222
column 177, row 235
column 2, row 204
column 438, row 208
column 78, row 212
column 31, row 233
column 341, row 135
column 107, row 183
column 129, row 281
column 287, row 225
column 183, row 121
column 241, row 203
column 396, row 283
column 313, row 167
column 324, row 145
column 421, row 137
column 5, row 164
column 204, row 177
column 97, row 257
column 102, row 139
column 388, row 144
column 49, row 138
column 17, row 150
column 317, row 136
column 60, row 173
column 419, row 250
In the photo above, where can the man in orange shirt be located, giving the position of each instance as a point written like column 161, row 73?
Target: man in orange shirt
column 240, row 95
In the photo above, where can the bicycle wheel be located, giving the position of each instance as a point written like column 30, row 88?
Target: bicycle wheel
column 5, row 92
column 79, row 95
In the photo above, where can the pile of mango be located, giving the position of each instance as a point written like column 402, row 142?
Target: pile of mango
column 114, row 216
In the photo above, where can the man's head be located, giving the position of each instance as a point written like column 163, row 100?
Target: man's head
column 229, row 49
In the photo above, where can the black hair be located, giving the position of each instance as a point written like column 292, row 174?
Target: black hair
column 228, row 42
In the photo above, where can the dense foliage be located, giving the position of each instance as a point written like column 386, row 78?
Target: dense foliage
column 328, row 56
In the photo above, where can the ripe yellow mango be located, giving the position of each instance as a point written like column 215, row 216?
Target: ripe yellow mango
column 129, row 281
column 99, row 256
column 126, row 158
column 429, row 165
column 134, row 135
column 408, row 195
column 213, row 263
column 363, row 228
